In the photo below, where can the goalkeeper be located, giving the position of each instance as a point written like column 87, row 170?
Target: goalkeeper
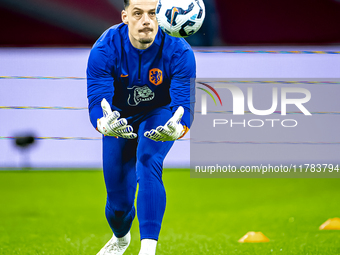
column 140, row 87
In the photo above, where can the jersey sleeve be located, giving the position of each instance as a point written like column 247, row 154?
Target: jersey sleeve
column 182, row 87
column 99, row 82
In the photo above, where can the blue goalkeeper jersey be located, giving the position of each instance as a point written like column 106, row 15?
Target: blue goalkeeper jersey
column 134, row 81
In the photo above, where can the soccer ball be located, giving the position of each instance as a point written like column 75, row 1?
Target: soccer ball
column 180, row 18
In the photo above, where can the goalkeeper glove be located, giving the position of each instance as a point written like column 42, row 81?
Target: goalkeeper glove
column 171, row 131
column 111, row 125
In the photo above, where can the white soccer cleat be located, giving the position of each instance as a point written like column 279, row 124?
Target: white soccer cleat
column 148, row 247
column 116, row 246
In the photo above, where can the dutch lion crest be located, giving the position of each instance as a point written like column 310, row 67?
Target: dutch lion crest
column 155, row 76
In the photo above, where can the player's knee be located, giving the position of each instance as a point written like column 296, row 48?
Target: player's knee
column 146, row 159
column 149, row 168
column 118, row 204
column 120, row 221
column 150, row 161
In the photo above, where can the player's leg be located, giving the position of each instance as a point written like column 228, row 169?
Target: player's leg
column 151, row 197
column 119, row 165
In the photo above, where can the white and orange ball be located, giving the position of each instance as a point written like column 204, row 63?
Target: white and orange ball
column 180, row 18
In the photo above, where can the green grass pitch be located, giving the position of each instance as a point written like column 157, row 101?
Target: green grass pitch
column 62, row 212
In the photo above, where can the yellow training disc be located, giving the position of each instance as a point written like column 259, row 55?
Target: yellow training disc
column 331, row 224
column 254, row 237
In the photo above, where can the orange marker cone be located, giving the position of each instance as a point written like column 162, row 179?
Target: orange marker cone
column 254, row 237
column 331, row 224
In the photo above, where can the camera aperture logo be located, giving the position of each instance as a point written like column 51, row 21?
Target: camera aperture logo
column 204, row 105
column 238, row 99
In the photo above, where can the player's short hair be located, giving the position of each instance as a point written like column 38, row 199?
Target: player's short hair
column 126, row 3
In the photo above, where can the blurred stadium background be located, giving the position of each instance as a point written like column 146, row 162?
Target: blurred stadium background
column 44, row 46
column 52, row 38
column 244, row 22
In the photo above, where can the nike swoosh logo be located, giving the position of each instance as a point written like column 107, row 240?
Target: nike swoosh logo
column 124, row 75
column 174, row 10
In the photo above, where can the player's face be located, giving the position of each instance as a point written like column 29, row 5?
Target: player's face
column 140, row 16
